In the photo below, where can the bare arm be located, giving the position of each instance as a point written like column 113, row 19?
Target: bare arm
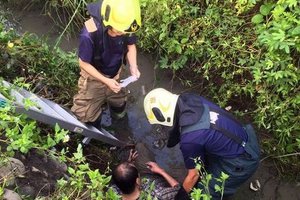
column 190, row 180
column 111, row 83
column 132, row 60
column 156, row 169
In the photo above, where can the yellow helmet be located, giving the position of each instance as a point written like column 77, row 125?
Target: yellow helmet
column 159, row 106
column 122, row 15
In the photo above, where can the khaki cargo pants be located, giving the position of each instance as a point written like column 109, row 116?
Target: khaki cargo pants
column 92, row 94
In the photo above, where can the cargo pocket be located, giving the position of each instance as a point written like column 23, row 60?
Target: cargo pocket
column 78, row 99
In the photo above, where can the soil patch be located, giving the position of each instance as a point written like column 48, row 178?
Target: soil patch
column 41, row 174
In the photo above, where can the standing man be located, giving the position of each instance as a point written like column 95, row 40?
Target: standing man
column 205, row 130
column 106, row 41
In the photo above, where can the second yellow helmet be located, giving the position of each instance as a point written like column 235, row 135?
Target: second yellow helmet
column 159, row 106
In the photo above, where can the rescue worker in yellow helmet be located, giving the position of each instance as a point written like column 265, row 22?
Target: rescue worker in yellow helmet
column 204, row 130
column 107, row 42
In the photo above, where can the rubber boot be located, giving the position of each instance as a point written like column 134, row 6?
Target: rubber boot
column 96, row 123
column 118, row 113
column 120, row 123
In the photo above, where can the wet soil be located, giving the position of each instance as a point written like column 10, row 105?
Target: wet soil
column 138, row 129
column 40, row 176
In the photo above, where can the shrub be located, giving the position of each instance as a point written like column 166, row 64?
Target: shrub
column 238, row 52
column 51, row 71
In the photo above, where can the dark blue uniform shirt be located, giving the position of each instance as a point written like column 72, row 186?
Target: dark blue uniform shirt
column 104, row 52
column 210, row 142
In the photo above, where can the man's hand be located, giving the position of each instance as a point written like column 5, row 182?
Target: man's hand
column 113, row 85
column 135, row 71
column 153, row 166
column 132, row 155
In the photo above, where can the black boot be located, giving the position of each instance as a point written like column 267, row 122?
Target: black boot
column 96, row 123
column 117, row 113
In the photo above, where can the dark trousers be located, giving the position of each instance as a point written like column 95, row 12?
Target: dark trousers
column 239, row 169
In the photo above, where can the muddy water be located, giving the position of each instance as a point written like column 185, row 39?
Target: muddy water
column 272, row 187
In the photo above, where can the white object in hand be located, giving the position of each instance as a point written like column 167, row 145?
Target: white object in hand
column 127, row 81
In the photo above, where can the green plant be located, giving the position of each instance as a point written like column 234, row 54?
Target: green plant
column 247, row 57
column 67, row 14
column 22, row 133
column 50, row 71
column 83, row 182
column 206, row 178
column 244, row 5
column 146, row 194
column 276, row 74
column 207, row 44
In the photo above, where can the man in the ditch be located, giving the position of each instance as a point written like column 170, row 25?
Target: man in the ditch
column 106, row 41
column 140, row 177
column 204, row 130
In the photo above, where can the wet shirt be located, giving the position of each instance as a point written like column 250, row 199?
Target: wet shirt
column 210, row 142
column 104, row 52
column 155, row 187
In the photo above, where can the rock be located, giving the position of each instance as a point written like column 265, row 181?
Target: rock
column 11, row 195
column 45, row 174
column 11, row 169
column 27, row 190
column 33, row 169
column 60, row 166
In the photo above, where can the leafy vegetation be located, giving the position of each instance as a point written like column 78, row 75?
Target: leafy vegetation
column 30, row 63
column 83, row 183
column 204, row 182
column 243, row 53
column 50, row 71
column 239, row 52
column 18, row 133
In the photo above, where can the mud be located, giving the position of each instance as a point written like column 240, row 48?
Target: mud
column 272, row 186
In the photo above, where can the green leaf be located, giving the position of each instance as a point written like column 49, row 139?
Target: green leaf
column 9, row 148
column 224, row 176
column 184, row 40
column 296, row 31
column 217, row 188
column 290, row 148
column 178, row 49
column 71, row 170
column 287, row 49
column 278, row 10
column 256, row 19
column 50, row 142
column 56, row 128
column 292, row 3
column 265, row 9
column 23, row 150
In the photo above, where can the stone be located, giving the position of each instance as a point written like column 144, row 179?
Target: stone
column 27, row 190
column 10, row 169
column 11, row 195
column 33, row 169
